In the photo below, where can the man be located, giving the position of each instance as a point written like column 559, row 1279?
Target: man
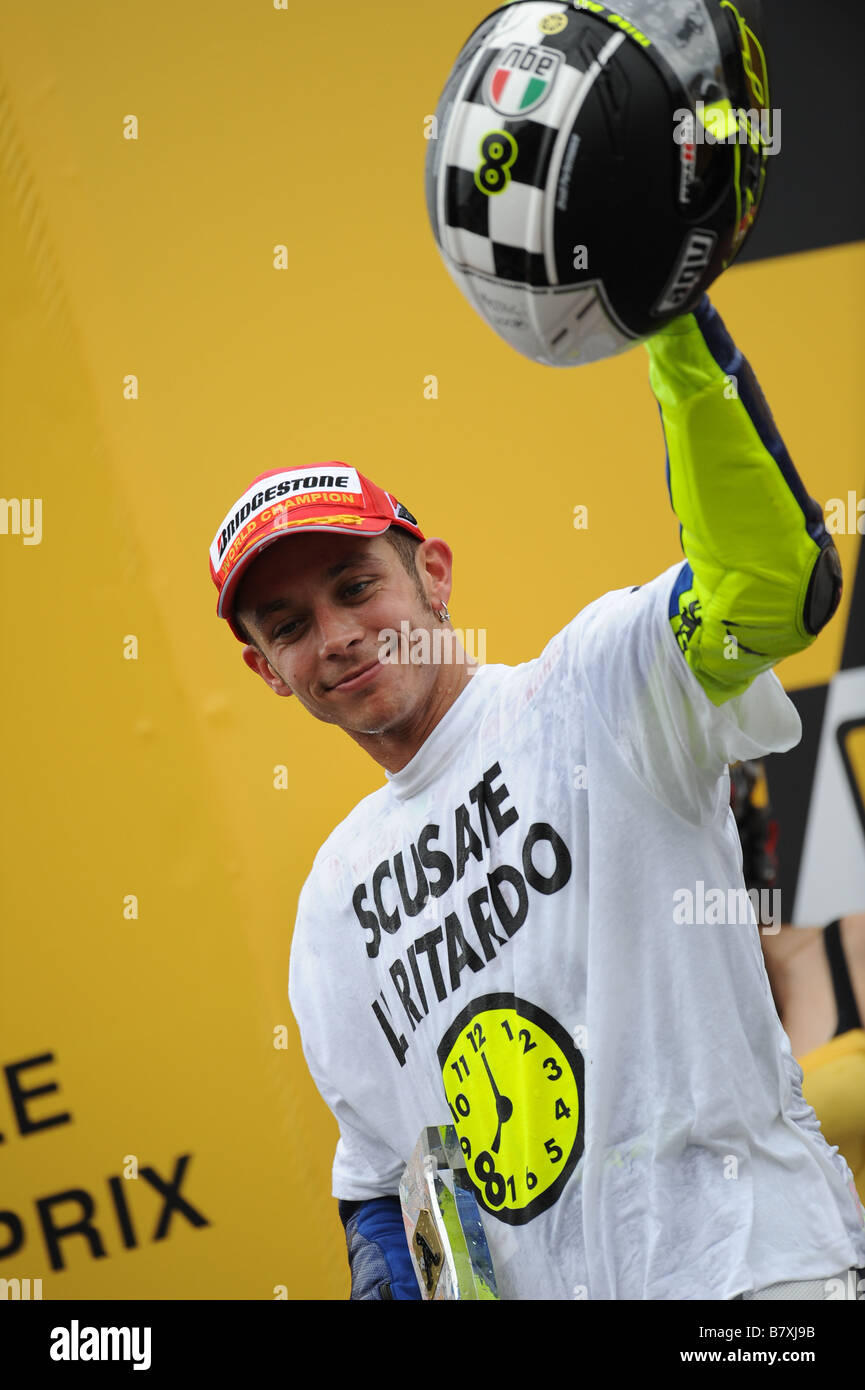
column 494, row 939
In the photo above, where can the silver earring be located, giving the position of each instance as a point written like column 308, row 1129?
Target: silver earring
column 443, row 614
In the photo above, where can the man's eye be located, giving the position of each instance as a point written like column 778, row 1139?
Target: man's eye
column 289, row 629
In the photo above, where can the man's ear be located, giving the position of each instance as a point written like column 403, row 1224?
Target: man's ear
column 258, row 662
column 434, row 563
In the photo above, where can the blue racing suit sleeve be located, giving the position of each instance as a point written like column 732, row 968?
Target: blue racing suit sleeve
column 378, row 1254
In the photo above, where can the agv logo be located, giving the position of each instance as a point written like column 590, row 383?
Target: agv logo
column 522, row 79
column 694, row 257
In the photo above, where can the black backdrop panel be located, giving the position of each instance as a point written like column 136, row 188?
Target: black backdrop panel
column 815, row 196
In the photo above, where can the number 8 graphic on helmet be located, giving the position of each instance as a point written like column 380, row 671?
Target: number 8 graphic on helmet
column 499, row 150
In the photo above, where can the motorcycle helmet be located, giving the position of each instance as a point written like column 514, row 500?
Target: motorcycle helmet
column 592, row 171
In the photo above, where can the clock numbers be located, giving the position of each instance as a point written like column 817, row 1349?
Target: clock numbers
column 460, row 1063
column 494, row 1059
column 526, row 1037
column 494, row 1185
column 461, row 1105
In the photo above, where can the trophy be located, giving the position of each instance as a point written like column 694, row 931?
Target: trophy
column 443, row 1222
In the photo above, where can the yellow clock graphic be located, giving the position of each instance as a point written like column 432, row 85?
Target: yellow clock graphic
column 514, row 1082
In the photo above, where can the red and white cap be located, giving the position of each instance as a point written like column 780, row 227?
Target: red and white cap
column 318, row 497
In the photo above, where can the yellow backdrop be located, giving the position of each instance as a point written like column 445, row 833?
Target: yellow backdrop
column 154, row 359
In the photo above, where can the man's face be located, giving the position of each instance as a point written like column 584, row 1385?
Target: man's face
column 315, row 604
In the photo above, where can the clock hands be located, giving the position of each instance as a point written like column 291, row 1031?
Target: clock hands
column 504, row 1106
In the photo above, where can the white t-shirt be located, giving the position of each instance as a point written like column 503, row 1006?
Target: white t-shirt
column 527, row 932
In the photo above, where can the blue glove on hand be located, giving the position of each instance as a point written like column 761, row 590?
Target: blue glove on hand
column 378, row 1255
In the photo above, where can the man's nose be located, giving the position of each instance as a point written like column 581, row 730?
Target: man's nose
column 337, row 629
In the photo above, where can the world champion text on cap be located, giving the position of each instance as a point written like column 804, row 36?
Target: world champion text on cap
column 282, row 485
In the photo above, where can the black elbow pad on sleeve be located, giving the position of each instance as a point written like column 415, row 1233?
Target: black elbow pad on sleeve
column 824, row 590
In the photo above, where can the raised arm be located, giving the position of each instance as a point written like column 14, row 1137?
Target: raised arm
column 763, row 576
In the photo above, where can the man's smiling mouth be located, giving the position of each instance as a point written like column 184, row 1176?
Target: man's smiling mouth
column 356, row 675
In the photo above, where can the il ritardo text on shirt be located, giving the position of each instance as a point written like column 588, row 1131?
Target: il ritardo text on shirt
column 431, row 966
